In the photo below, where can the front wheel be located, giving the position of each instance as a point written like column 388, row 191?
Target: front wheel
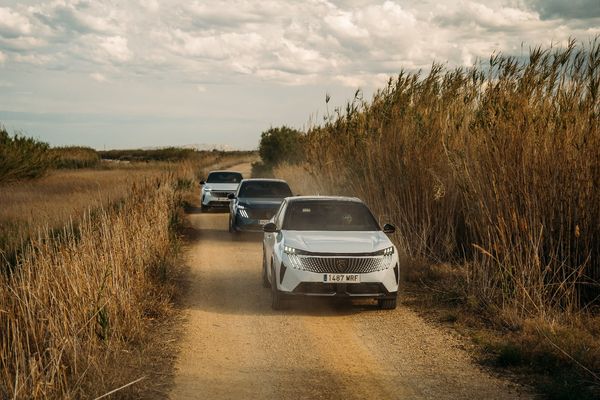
column 265, row 278
column 231, row 228
column 276, row 296
column 387, row 304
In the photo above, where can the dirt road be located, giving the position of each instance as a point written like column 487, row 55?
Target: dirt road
column 236, row 347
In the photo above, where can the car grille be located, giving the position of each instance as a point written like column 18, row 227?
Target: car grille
column 220, row 194
column 260, row 213
column 343, row 265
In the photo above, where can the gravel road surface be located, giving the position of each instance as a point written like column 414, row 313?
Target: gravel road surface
column 235, row 347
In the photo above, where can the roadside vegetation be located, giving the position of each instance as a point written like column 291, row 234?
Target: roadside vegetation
column 492, row 175
column 74, row 157
column 278, row 145
column 169, row 154
column 60, row 196
column 87, row 262
column 22, row 157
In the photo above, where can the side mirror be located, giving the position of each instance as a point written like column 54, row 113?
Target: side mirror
column 270, row 227
column 231, row 196
column 389, row 228
column 202, row 182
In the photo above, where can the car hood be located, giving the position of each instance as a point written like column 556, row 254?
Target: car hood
column 255, row 202
column 337, row 241
column 225, row 187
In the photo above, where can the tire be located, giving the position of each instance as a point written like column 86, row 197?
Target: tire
column 231, row 229
column 265, row 278
column 203, row 208
column 276, row 296
column 387, row 304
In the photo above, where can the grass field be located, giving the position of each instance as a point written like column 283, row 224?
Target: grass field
column 90, row 255
column 60, row 197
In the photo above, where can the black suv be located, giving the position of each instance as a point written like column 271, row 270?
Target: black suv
column 255, row 202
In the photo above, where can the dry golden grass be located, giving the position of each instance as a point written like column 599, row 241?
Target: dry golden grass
column 301, row 181
column 498, row 167
column 62, row 195
column 81, row 299
column 495, row 168
column 73, row 300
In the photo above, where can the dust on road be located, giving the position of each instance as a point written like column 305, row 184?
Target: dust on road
column 236, row 347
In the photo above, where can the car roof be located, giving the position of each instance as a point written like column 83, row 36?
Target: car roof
column 224, row 170
column 263, row 180
column 297, row 199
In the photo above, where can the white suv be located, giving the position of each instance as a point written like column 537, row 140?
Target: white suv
column 217, row 187
column 329, row 246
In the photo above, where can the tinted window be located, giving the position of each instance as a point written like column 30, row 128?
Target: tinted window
column 265, row 189
column 224, row 177
column 323, row 215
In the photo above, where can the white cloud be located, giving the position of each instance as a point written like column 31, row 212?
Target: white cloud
column 13, row 24
column 150, row 5
column 2, row 57
column 32, row 59
column 288, row 42
column 115, row 47
column 98, row 77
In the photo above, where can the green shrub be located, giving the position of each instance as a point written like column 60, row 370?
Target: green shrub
column 281, row 144
column 22, row 157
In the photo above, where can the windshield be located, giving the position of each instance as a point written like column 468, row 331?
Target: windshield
column 224, row 177
column 322, row 215
column 270, row 189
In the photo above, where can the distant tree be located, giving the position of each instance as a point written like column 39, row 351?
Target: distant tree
column 282, row 144
column 22, row 157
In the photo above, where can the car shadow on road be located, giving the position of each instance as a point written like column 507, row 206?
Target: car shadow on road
column 220, row 234
column 218, row 290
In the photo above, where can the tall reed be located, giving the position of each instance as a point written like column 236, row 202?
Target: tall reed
column 497, row 165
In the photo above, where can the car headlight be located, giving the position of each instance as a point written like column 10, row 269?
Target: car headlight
column 388, row 251
column 207, row 189
column 294, row 251
column 289, row 250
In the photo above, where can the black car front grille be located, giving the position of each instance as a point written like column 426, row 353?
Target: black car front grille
column 221, row 194
column 343, row 265
column 315, row 288
column 260, row 213
column 318, row 288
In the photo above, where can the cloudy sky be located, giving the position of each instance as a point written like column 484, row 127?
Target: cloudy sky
column 121, row 74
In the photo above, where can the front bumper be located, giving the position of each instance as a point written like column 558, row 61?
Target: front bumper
column 247, row 224
column 379, row 284
column 215, row 199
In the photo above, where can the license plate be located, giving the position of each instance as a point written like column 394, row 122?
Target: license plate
column 263, row 221
column 341, row 278
column 222, row 199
